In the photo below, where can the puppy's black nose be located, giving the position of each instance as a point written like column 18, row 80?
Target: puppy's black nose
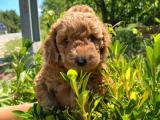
column 81, row 61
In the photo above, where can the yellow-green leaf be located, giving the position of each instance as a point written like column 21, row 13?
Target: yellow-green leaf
column 133, row 95
column 143, row 98
column 72, row 74
column 135, row 31
column 128, row 74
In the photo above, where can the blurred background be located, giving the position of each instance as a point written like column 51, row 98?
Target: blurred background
column 141, row 12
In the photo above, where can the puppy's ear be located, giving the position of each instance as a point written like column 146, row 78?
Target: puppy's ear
column 106, row 42
column 50, row 51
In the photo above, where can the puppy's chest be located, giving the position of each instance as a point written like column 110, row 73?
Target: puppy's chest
column 62, row 92
column 59, row 86
column 55, row 84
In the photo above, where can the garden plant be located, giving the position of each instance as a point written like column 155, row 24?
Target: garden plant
column 133, row 93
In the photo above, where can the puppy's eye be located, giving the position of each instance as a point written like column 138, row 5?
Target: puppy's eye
column 92, row 38
column 101, row 50
column 66, row 41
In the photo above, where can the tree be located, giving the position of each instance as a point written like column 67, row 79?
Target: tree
column 114, row 11
column 11, row 20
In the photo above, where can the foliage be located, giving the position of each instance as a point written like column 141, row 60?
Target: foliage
column 48, row 18
column 132, row 11
column 113, row 11
column 132, row 94
column 53, row 9
column 60, row 6
column 132, row 38
column 127, row 12
column 152, row 76
column 11, row 20
column 20, row 88
column 79, row 87
column 53, row 5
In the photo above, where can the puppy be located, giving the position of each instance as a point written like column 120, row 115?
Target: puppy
column 78, row 40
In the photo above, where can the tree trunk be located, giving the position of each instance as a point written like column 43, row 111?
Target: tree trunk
column 112, row 12
column 102, row 5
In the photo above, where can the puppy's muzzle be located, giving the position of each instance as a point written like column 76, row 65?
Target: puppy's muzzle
column 80, row 61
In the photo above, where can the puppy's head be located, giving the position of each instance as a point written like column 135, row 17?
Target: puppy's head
column 80, row 39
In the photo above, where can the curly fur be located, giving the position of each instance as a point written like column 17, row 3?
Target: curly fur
column 78, row 34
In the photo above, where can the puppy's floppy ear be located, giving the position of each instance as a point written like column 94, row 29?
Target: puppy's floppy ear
column 50, row 51
column 106, row 42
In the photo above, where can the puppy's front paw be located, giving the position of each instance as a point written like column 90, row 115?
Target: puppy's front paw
column 49, row 103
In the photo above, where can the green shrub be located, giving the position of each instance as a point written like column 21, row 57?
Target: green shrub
column 133, row 93
column 24, row 67
column 134, row 41
column 11, row 20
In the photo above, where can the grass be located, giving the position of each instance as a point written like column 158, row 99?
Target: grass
column 12, row 45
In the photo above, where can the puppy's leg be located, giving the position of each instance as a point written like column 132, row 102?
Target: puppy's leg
column 97, row 82
column 44, row 96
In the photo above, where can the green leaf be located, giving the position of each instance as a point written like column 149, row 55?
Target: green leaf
column 81, row 79
column 157, row 49
column 125, row 117
column 116, row 48
column 38, row 111
column 128, row 74
column 23, row 76
column 22, row 114
column 14, row 57
column 150, row 57
column 143, row 98
column 74, row 86
column 14, row 65
column 133, row 95
column 51, row 12
column 83, row 98
column 68, row 115
column 96, row 102
column 65, row 77
column 97, row 115
column 85, row 81
column 157, row 38
column 131, row 106
column 135, row 31
column 157, row 19
column 50, row 117
column 72, row 74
